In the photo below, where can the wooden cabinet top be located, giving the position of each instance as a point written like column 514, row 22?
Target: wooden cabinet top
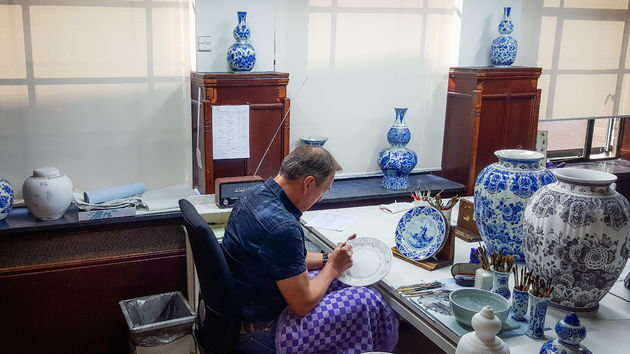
column 262, row 78
column 490, row 72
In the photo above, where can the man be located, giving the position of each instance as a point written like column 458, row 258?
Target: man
column 264, row 247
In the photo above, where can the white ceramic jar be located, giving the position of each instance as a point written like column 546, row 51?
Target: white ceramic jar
column 47, row 193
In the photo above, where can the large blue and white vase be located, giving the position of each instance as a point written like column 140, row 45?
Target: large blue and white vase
column 576, row 234
column 503, row 48
column 6, row 198
column 502, row 191
column 397, row 161
column 241, row 55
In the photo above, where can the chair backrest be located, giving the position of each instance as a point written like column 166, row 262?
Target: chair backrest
column 221, row 326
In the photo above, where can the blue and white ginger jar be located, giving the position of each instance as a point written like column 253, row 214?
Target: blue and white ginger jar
column 397, row 161
column 6, row 198
column 503, row 48
column 570, row 333
column 241, row 55
column 502, row 191
column 576, row 233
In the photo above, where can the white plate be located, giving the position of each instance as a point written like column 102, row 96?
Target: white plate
column 371, row 261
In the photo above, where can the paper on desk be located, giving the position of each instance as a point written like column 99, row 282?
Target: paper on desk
column 396, row 207
column 167, row 198
column 331, row 221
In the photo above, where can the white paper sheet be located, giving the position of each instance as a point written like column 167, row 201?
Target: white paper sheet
column 331, row 221
column 230, row 132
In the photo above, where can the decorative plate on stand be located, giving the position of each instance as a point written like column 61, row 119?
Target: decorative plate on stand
column 371, row 261
column 421, row 233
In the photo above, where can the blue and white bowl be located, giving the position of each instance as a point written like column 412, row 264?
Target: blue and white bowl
column 6, row 198
column 315, row 141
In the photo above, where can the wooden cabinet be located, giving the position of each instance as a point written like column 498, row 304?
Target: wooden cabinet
column 487, row 109
column 266, row 95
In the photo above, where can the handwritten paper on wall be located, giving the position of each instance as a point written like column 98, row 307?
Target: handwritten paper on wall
column 230, row 132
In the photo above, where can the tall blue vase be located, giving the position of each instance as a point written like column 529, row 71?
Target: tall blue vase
column 6, row 198
column 503, row 48
column 502, row 191
column 241, row 55
column 397, row 161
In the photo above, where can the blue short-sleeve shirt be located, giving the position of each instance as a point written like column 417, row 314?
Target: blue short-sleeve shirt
column 263, row 243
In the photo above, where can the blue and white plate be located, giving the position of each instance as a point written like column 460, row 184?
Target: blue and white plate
column 421, row 233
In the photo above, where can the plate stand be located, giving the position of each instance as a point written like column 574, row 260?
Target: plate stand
column 442, row 259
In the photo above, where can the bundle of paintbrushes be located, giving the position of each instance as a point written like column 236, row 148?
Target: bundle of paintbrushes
column 483, row 257
column 521, row 282
column 437, row 202
column 501, row 263
column 540, row 287
column 418, row 289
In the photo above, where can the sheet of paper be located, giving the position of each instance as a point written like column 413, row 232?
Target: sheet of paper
column 395, row 207
column 230, row 132
column 331, row 221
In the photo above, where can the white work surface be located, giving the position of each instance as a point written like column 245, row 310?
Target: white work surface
column 608, row 329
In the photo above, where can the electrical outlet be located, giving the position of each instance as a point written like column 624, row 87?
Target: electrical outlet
column 204, row 43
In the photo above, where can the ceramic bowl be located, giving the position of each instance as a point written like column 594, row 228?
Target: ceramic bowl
column 467, row 302
column 313, row 140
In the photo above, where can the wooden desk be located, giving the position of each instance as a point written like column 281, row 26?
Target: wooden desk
column 607, row 329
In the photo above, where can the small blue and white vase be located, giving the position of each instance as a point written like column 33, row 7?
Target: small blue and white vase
column 520, row 301
column 397, row 161
column 6, row 198
column 502, row 191
column 500, row 283
column 537, row 314
column 570, row 333
column 503, row 48
column 241, row 55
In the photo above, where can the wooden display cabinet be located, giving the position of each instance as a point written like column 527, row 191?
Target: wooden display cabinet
column 266, row 95
column 487, row 109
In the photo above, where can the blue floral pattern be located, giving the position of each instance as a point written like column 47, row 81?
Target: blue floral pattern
column 397, row 161
column 503, row 48
column 6, row 198
column 520, row 302
column 500, row 284
column 502, row 191
column 537, row 315
column 421, row 233
column 241, row 56
column 570, row 333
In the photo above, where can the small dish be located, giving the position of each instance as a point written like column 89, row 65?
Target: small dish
column 467, row 302
column 464, row 273
column 421, row 233
column 314, row 140
column 371, row 261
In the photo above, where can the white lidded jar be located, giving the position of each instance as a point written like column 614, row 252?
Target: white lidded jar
column 47, row 193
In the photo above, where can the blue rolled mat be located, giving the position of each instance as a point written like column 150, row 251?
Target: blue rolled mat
column 107, row 194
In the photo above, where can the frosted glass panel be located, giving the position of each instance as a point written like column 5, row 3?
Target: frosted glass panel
column 624, row 103
column 319, row 3
column 584, row 95
column 590, row 44
column 12, row 61
column 552, row 3
column 565, row 135
column 598, row 4
column 543, row 85
column 319, row 42
column 546, row 41
column 13, row 99
column 380, row 3
column 85, row 44
column 170, row 42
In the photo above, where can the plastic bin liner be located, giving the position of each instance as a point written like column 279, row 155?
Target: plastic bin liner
column 157, row 319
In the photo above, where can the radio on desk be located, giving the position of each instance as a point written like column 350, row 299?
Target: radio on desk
column 228, row 189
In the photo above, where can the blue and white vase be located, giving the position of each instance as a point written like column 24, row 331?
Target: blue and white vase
column 500, row 284
column 6, row 198
column 520, row 301
column 570, row 333
column 241, row 55
column 537, row 315
column 503, row 48
column 502, row 191
column 397, row 161
column 576, row 233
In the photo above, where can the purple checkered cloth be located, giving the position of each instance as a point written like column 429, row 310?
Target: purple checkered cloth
column 348, row 319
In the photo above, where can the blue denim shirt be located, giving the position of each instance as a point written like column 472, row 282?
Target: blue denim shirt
column 263, row 243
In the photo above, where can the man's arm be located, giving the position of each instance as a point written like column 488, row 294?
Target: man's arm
column 314, row 260
column 302, row 294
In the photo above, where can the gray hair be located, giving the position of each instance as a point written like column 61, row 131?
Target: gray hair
column 307, row 160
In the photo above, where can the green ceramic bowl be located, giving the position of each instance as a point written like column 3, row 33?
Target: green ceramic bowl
column 467, row 302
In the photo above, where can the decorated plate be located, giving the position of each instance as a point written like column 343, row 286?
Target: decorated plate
column 371, row 261
column 421, row 233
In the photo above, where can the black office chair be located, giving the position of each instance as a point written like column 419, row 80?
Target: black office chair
column 218, row 321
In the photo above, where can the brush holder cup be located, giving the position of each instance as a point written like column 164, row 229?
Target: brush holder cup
column 500, row 284
column 520, row 301
column 537, row 315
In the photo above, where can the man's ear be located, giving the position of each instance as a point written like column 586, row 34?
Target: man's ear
column 309, row 182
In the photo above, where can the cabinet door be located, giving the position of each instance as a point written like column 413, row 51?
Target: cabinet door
column 265, row 131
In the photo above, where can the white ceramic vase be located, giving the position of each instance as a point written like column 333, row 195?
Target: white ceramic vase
column 47, row 193
column 576, row 233
column 484, row 339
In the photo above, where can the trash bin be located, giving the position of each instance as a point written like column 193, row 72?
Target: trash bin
column 159, row 323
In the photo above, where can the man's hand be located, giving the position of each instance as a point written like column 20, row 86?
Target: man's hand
column 341, row 257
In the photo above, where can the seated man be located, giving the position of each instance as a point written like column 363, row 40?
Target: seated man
column 264, row 248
